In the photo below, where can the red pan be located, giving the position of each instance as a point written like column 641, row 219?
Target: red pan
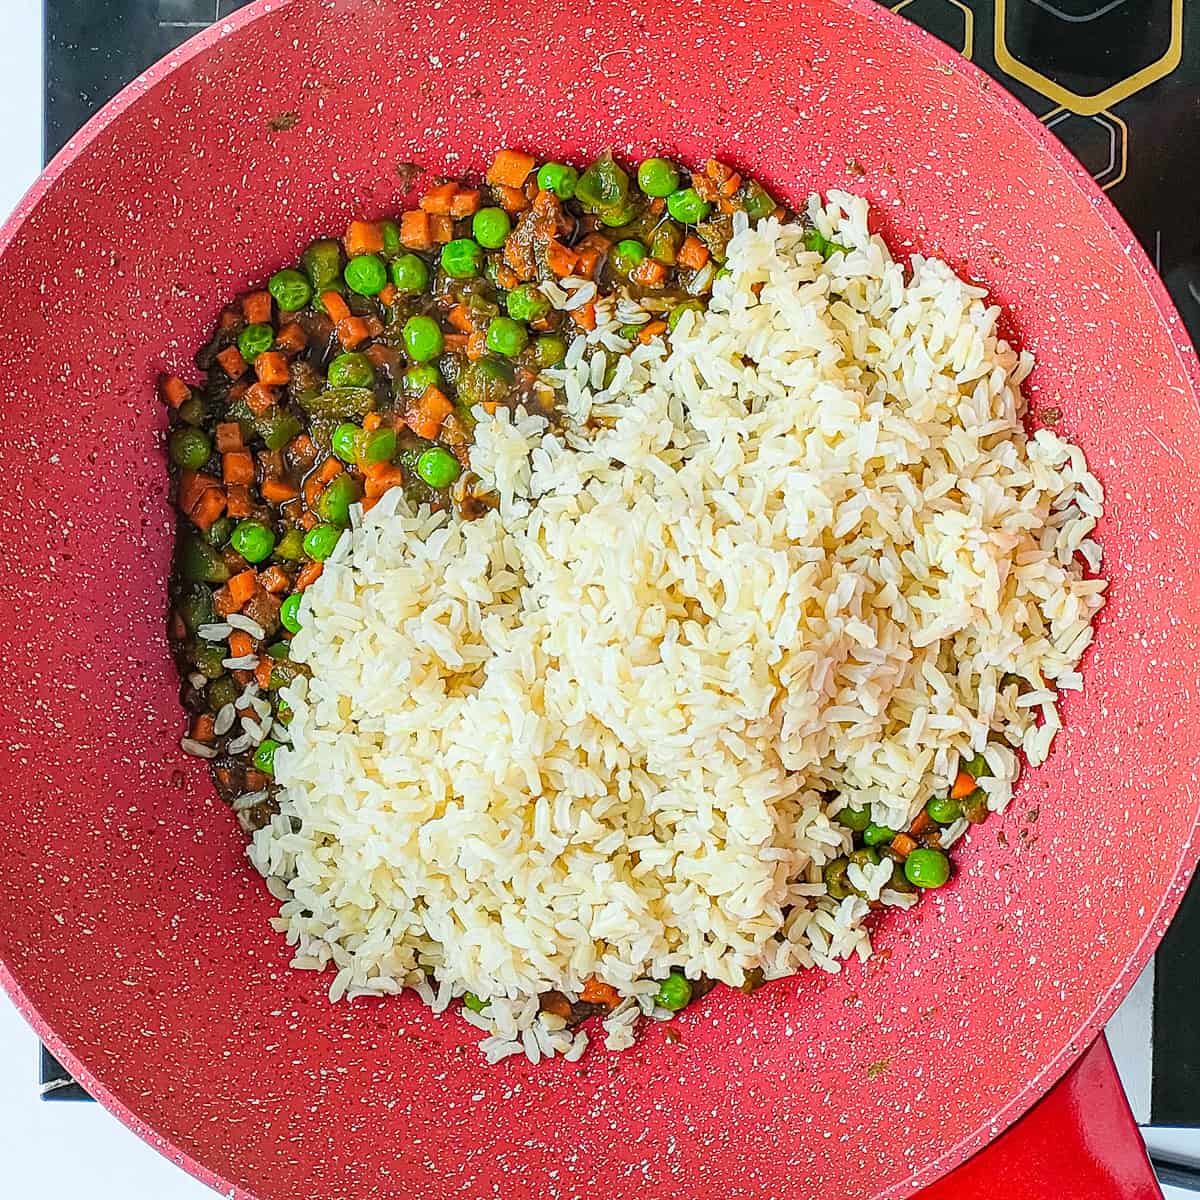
column 134, row 935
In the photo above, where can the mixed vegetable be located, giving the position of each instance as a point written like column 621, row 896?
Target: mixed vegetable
column 357, row 371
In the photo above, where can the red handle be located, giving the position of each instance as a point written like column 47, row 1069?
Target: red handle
column 1079, row 1142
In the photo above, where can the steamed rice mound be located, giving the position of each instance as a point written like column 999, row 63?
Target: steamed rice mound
column 797, row 559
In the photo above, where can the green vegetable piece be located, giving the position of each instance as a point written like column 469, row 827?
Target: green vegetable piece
column 351, row 370
column 278, row 650
column 390, row 232
column 379, row 445
column 665, row 243
column 219, row 531
column 423, row 338
column 289, row 613
column 366, row 274
column 291, row 545
column 977, row 768
column 865, row 856
column 658, row 177
column 282, row 673
column 417, row 379
column 276, row 428
column 755, row 201
column 506, row 336
column 345, row 441
column 549, row 351
column 877, row 835
column 626, row 255
column 490, row 227
column 486, row 381
column 252, row 540
column 290, row 290
column 927, row 868
column 630, row 333
column 410, row 274
column 223, row 691
column 207, row 658
column 340, row 404
column 198, row 562
column 603, row 186
column 321, row 541
column 438, row 468
column 674, row 993
column 189, row 448
column 334, row 503
column 527, row 303
column 193, row 411
column 559, row 179
column 816, row 242
column 473, row 1002
column 195, row 608
column 943, row 810
column 676, row 314
column 264, row 756
column 255, row 340
column 687, row 207
column 854, row 818
column 974, row 807
column 619, row 214
column 834, row 877
column 462, row 258
column 322, row 263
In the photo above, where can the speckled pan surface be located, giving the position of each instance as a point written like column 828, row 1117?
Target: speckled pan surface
column 133, row 934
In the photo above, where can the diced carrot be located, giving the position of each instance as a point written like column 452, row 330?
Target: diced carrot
column 372, row 421
column 651, row 330
column 328, row 471
column 559, row 259
column 230, row 318
column 596, row 991
column 490, row 406
column 657, row 205
column 556, row 1004
column 426, row 416
column 460, row 318
column 506, row 277
column 309, row 574
column 464, row 203
column 903, row 844
column 240, row 643
column 648, row 273
column 259, row 398
column 512, row 200
column 256, row 308
column 272, row 368
column 374, row 326
column 725, row 179
column 192, row 485
column 309, row 520
column 270, row 463
column 223, row 603
column 363, row 237
column 237, row 392
column 439, row 198
column 203, row 729
column 586, row 262
column 368, row 503
column 276, row 491
column 352, row 332
column 275, row 580
column 584, row 316
column 414, row 230
column 476, row 345
column 229, row 436
column 262, row 672
column 921, row 822
column 704, row 187
column 239, row 505
column 237, row 466
column 301, row 448
column 232, row 362
column 173, row 390
column 455, row 343
column 335, row 306
column 441, row 229
column 379, row 481
column 207, row 509
column 291, row 339
column 388, row 294
column 693, row 254
column 242, row 587
column 510, row 168
column 964, row 785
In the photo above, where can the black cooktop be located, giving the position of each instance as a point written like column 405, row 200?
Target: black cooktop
column 1117, row 80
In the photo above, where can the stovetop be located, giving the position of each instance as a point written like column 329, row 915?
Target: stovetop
column 1117, row 80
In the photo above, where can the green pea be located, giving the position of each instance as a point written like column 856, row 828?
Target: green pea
column 366, row 274
column 927, row 868
column 283, row 710
column 290, row 289
column 943, row 810
column 833, row 875
column 865, row 856
column 264, row 756
column 322, row 263
column 219, row 531
column 252, row 540
column 619, row 214
column 423, row 338
column 462, row 258
column 291, row 545
column 877, row 835
column 189, row 448
column 410, row 274
column 390, row 232
column 626, row 255
column 854, row 818
column 255, row 340
column 527, row 303
column 193, row 411
column 379, row 445
column 558, row 178
column 473, row 1002
column 657, row 177
column 687, row 207
column 321, row 541
column 223, row 691
column 490, row 227
column 438, row 468
column 351, row 370
column 345, row 441
column 417, row 379
column 207, row 658
column 549, row 351
column 289, row 613
column 676, row 314
column 674, row 993
column 977, row 768
column 334, row 503
column 899, row 881
column 506, row 336
column 630, row 333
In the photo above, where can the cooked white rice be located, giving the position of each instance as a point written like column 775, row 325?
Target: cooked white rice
column 783, row 566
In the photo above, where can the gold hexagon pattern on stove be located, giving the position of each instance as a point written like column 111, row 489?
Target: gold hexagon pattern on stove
column 1099, row 141
column 948, row 20
column 1073, row 15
